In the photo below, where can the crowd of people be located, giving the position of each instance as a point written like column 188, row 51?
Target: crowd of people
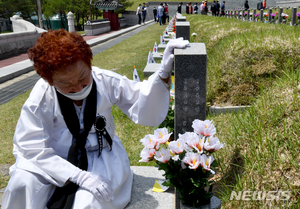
column 161, row 14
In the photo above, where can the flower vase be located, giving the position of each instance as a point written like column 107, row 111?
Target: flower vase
column 215, row 203
column 284, row 21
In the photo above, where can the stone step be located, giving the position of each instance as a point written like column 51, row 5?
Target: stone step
column 142, row 195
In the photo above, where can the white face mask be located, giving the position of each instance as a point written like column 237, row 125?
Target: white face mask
column 81, row 94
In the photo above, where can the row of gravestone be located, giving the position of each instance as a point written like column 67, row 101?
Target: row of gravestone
column 247, row 15
column 190, row 66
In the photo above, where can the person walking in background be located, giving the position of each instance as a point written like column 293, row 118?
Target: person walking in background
column 160, row 12
column 205, row 8
column 167, row 11
column 264, row 4
column 213, row 8
column 246, row 5
column 196, row 8
column 202, row 8
column 259, row 5
column 144, row 12
column 223, row 9
column 139, row 13
column 155, row 14
column 190, row 8
column 179, row 7
column 187, row 8
column 218, row 8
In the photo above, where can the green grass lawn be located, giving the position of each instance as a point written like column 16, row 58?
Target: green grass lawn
column 248, row 63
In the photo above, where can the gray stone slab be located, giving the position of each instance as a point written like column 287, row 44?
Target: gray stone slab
column 228, row 109
column 150, row 69
column 157, row 55
column 161, row 46
column 183, row 30
column 181, row 19
column 142, row 196
column 190, row 86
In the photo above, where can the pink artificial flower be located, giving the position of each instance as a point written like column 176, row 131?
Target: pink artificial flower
column 204, row 128
column 147, row 154
column 162, row 135
column 192, row 159
column 177, row 146
column 163, row 155
column 212, row 144
column 149, row 141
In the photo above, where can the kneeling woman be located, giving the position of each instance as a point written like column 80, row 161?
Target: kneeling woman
column 67, row 155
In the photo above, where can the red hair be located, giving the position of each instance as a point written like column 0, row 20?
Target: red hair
column 57, row 49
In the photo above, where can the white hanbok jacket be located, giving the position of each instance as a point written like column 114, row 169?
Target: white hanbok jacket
column 42, row 140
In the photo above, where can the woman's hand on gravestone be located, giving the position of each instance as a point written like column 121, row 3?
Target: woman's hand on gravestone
column 166, row 66
column 98, row 185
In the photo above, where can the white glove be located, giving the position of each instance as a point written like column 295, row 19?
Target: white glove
column 98, row 185
column 166, row 65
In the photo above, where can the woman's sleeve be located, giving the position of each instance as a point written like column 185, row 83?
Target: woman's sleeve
column 145, row 103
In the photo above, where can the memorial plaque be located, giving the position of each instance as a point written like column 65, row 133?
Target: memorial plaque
column 190, row 86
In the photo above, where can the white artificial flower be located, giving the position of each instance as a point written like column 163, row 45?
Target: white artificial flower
column 146, row 154
column 185, row 136
column 206, row 162
column 212, row 144
column 177, row 146
column 176, row 157
column 196, row 142
column 204, row 128
column 163, row 155
column 162, row 135
column 192, row 159
column 149, row 141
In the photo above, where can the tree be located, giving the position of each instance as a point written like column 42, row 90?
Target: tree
column 53, row 7
column 25, row 8
column 126, row 4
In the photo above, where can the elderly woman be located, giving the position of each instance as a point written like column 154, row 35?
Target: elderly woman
column 67, row 155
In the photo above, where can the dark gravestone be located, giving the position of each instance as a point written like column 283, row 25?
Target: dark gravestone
column 190, row 86
column 262, row 15
column 269, row 16
column 279, row 15
column 183, row 30
column 254, row 13
column 294, row 15
column 248, row 14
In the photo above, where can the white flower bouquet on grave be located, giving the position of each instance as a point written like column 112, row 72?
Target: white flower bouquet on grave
column 187, row 162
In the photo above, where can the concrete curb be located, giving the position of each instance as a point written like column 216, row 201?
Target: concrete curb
column 19, row 68
column 228, row 109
